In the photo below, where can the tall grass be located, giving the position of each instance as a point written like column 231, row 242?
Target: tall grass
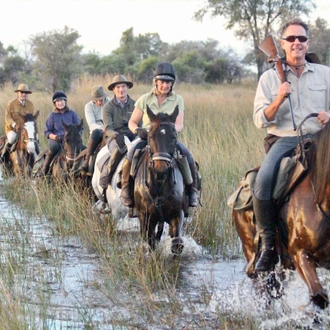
column 224, row 141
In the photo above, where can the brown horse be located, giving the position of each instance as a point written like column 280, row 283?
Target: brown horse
column 159, row 190
column 65, row 163
column 25, row 150
column 303, row 223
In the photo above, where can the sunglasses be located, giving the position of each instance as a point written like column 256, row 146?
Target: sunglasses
column 24, row 92
column 293, row 38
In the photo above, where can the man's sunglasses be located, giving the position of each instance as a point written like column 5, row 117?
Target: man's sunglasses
column 293, row 38
column 24, row 92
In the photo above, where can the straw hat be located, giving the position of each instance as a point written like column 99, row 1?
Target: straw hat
column 23, row 88
column 120, row 79
column 98, row 93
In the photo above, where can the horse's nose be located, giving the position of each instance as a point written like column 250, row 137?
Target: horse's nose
column 160, row 169
column 31, row 148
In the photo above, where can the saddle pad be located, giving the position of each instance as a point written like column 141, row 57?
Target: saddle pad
column 102, row 161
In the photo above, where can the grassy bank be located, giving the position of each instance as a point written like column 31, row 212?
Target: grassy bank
column 224, row 141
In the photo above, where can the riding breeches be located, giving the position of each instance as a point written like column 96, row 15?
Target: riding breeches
column 267, row 174
column 97, row 135
column 11, row 136
column 54, row 147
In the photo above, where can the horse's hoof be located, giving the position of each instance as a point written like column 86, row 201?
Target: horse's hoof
column 321, row 300
column 177, row 246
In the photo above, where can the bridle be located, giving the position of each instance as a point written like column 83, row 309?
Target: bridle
column 28, row 140
column 168, row 158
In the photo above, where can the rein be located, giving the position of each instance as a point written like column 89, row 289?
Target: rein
column 159, row 201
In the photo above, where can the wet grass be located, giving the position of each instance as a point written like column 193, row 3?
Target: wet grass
column 220, row 134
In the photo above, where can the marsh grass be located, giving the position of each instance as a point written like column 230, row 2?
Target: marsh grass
column 225, row 143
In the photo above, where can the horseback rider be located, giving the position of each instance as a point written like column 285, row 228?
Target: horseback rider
column 308, row 86
column 12, row 119
column 116, row 115
column 93, row 115
column 160, row 99
column 54, row 129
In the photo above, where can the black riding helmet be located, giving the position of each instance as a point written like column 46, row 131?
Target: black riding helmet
column 59, row 95
column 165, row 71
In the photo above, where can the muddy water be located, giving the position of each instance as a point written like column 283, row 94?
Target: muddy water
column 71, row 294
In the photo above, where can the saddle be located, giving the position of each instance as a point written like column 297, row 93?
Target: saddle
column 291, row 170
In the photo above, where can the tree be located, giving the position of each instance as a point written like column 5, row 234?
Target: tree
column 57, row 57
column 254, row 20
column 320, row 40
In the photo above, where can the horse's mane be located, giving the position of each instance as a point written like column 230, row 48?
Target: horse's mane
column 319, row 160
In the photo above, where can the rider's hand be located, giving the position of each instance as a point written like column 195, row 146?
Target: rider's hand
column 120, row 139
column 142, row 133
column 15, row 126
column 59, row 138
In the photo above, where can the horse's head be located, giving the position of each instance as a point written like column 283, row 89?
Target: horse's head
column 28, row 134
column 72, row 142
column 162, row 140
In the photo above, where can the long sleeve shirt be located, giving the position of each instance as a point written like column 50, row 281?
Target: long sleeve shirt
column 311, row 93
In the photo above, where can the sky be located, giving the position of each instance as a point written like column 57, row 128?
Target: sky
column 100, row 23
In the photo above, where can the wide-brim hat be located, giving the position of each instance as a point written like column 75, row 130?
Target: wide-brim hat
column 23, row 88
column 98, row 93
column 120, row 79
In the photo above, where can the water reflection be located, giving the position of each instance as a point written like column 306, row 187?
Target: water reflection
column 68, row 285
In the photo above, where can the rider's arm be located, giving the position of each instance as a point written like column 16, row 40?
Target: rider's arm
column 135, row 119
column 179, row 121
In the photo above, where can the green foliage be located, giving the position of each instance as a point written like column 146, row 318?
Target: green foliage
column 254, row 20
column 58, row 59
column 320, row 40
column 145, row 69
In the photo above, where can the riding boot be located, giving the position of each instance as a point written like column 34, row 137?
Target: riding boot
column 126, row 184
column 266, row 217
column 5, row 150
column 92, row 145
column 45, row 166
column 114, row 161
column 192, row 188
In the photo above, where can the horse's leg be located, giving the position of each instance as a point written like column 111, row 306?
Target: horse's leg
column 175, row 233
column 159, row 231
column 147, row 229
column 305, row 265
column 246, row 230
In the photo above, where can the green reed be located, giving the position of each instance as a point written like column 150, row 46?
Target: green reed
column 220, row 134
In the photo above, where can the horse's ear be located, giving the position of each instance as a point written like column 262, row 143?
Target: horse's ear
column 151, row 115
column 65, row 125
column 174, row 114
column 81, row 123
column 35, row 116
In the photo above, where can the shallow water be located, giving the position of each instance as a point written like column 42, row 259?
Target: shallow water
column 73, row 293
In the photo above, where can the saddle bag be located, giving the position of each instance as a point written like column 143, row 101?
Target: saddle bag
column 184, row 168
column 290, row 171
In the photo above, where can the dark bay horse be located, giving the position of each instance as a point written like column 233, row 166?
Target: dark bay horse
column 26, row 148
column 159, row 190
column 64, row 164
column 304, row 222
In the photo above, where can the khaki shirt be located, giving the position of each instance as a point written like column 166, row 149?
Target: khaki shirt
column 311, row 93
column 168, row 106
column 13, row 109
